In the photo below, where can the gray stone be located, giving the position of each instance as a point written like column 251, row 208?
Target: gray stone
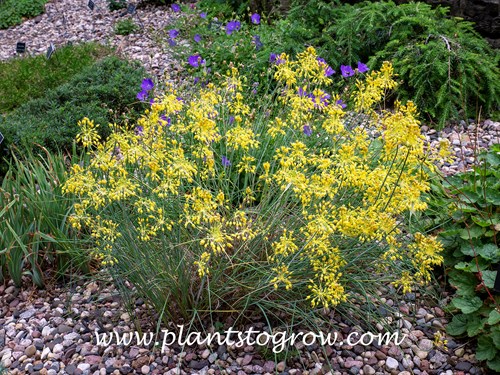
column 391, row 363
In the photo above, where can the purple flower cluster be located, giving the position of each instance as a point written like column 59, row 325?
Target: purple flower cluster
column 255, row 18
column 232, row 26
column 258, row 44
column 196, row 61
column 273, row 58
column 328, row 69
column 225, row 161
column 173, row 33
column 176, row 8
column 348, row 71
column 146, row 86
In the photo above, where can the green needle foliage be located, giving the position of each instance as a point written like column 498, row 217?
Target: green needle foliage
column 446, row 67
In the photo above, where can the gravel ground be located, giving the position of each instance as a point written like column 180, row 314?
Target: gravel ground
column 52, row 331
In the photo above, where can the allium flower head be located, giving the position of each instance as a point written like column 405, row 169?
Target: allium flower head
column 255, row 18
column 232, row 26
column 362, row 68
column 203, row 15
column 176, row 7
column 197, row 38
column 307, row 130
column 225, row 162
column 147, row 84
column 173, row 33
column 346, row 70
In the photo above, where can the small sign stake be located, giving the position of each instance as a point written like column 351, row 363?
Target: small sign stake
column 50, row 51
column 91, row 4
column 21, row 47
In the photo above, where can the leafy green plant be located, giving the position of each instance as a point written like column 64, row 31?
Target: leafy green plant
column 12, row 12
column 37, row 239
column 104, row 92
column 32, row 76
column 125, row 27
column 471, row 202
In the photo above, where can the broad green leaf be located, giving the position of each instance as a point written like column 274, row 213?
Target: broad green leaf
column 495, row 335
column 466, row 249
column 464, row 282
column 463, row 207
column 494, row 317
column 466, row 267
column 494, row 364
column 475, row 325
column 472, row 232
column 458, row 325
column 489, row 278
column 467, row 304
column 481, row 221
column 493, row 196
column 485, row 348
column 469, row 196
column 489, row 251
column 490, row 233
column 493, row 159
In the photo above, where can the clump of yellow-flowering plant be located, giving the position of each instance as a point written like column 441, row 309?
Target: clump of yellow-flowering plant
column 209, row 203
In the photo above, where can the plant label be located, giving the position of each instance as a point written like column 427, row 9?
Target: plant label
column 131, row 9
column 50, row 51
column 91, row 4
column 1, row 138
column 20, row 47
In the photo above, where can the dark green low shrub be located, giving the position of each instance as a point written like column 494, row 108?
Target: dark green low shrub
column 104, row 92
column 12, row 12
column 31, row 77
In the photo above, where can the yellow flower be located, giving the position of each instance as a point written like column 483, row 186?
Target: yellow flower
column 88, row 135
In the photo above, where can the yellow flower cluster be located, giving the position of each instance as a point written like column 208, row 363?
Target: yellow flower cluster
column 209, row 180
column 88, row 135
